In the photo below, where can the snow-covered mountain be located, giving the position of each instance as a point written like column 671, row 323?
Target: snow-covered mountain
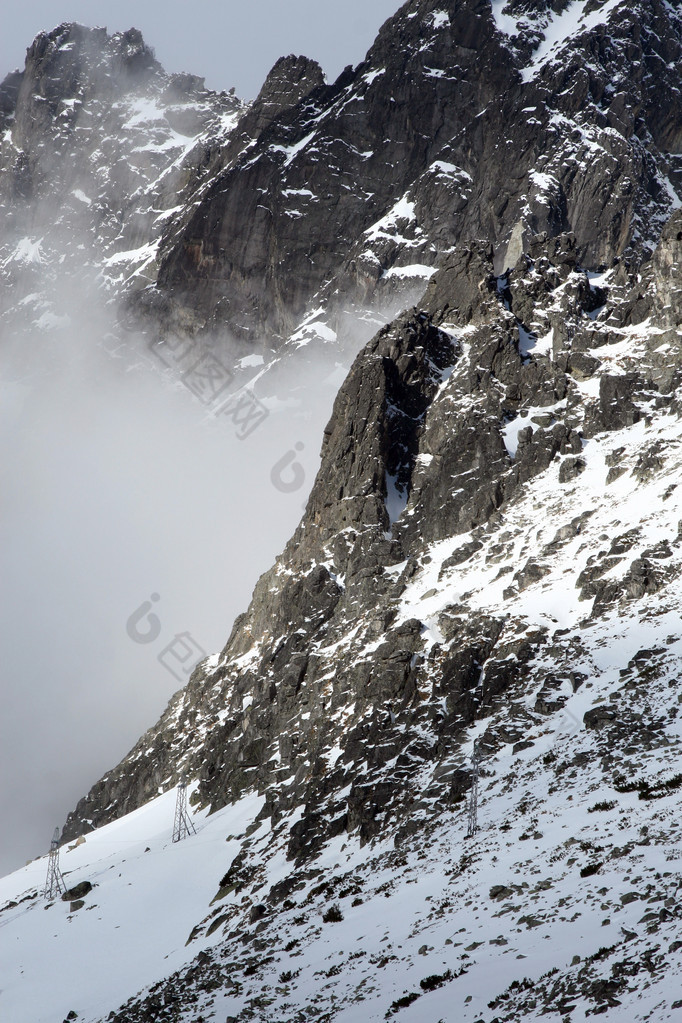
column 93, row 128
column 489, row 558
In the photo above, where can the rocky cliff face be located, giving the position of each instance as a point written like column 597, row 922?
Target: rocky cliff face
column 491, row 549
column 447, row 419
column 475, row 560
column 457, row 406
column 450, row 130
column 300, row 215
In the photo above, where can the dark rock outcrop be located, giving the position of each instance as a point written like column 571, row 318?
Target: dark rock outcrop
column 444, row 112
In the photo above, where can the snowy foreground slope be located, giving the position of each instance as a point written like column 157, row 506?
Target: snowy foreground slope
column 135, row 922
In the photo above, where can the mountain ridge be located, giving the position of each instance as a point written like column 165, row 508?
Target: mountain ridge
column 490, row 555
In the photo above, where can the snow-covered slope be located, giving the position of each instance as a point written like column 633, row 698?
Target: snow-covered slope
column 567, row 895
column 134, row 924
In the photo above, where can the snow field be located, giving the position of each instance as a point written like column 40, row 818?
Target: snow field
column 136, row 920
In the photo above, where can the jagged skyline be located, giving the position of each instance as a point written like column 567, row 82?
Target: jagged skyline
column 231, row 45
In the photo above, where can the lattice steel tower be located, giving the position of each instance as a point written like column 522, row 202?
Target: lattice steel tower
column 182, row 825
column 54, row 882
column 472, row 826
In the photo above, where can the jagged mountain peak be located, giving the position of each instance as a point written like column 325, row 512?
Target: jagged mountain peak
column 71, row 57
column 98, row 142
column 297, row 73
column 429, row 119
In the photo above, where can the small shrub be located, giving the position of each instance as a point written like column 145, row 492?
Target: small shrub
column 435, row 980
column 333, row 915
column 604, row 952
column 649, row 790
column 669, row 785
column 402, row 1003
column 591, row 868
column 606, row 804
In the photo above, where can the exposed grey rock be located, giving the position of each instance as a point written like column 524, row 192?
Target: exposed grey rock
column 336, row 161
column 570, row 468
column 77, row 892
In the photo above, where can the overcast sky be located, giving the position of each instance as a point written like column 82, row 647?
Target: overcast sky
column 229, row 43
column 116, row 492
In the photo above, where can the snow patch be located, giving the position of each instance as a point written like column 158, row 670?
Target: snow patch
column 27, row 251
column 439, row 19
column 510, row 433
column 396, row 498
column 411, row 271
column 562, row 27
column 402, row 212
column 291, row 152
